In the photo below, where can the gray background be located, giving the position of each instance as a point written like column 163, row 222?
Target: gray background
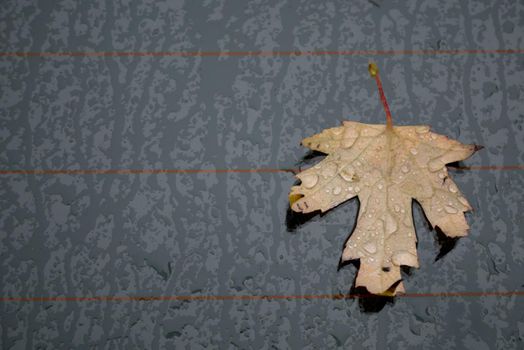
column 226, row 234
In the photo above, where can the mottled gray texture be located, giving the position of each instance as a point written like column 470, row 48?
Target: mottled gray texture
column 225, row 234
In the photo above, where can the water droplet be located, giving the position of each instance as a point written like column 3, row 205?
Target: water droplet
column 337, row 190
column 329, row 170
column 397, row 208
column 351, row 132
column 357, row 163
column 435, row 165
column 442, row 175
column 349, row 174
column 349, row 137
column 357, row 189
column 346, row 143
column 317, row 166
column 450, row 209
column 413, row 151
column 452, row 188
column 371, row 259
column 337, row 131
column 350, row 188
column 327, row 190
column 380, row 186
column 309, row 180
column 404, row 168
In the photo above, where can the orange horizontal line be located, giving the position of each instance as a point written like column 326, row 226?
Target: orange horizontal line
column 259, row 53
column 204, row 171
column 258, row 297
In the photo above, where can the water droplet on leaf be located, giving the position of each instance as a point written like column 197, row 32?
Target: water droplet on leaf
column 337, row 131
column 309, row 180
column 435, row 165
column 329, row 170
column 450, row 210
column 348, row 174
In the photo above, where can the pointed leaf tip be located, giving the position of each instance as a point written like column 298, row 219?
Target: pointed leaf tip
column 478, row 147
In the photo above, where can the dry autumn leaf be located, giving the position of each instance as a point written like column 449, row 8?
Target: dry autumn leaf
column 387, row 167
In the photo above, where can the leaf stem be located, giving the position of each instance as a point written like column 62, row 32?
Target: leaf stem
column 373, row 71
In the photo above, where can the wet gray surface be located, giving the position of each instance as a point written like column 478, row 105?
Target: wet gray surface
column 226, row 234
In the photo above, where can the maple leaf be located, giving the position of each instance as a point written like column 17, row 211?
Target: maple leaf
column 387, row 167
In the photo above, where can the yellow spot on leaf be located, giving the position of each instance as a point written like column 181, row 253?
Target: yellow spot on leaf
column 294, row 197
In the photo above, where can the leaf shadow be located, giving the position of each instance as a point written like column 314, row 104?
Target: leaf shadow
column 374, row 304
column 309, row 159
column 457, row 167
column 369, row 303
column 294, row 220
column 406, row 270
column 309, row 156
column 445, row 243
